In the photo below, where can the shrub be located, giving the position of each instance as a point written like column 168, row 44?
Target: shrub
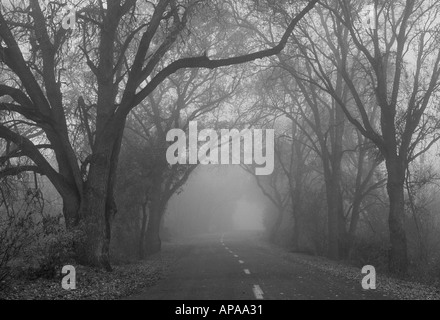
column 370, row 253
column 54, row 249
column 18, row 226
column 15, row 234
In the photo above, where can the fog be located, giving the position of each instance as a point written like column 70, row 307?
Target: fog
column 215, row 199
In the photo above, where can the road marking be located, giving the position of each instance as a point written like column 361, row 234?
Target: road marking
column 258, row 292
column 226, row 248
column 247, row 271
column 235, row 256
column 241, row 261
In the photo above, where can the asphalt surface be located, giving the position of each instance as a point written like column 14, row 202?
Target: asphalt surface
column 240, row 267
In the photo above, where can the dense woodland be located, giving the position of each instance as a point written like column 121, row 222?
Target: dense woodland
column 351, row 89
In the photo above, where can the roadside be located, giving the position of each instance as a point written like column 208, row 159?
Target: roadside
column 93, row 284
column 387, row 285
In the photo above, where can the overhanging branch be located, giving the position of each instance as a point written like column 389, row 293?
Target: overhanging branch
column 205, row 62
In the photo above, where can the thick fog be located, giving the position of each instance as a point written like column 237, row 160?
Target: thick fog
column 215, row 199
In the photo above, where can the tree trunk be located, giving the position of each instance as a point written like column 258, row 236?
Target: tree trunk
column 332, row 225
column 398, row 255
column 357, row 198
column 276, row 226
column 153, row 244
column 99, row 206
column 94, row 214
column 337, row 234
column 297, row 212
column 343, row 238
column 355, row 216
column 156, row 208
column 333, row 215
column 71, row 207
column 296, row 232
column 297, row 195
column 143, row 231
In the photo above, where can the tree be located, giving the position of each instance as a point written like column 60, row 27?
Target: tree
column 293, row 155
column 395, row 66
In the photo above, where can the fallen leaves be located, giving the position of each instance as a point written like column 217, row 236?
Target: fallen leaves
column 91, row 284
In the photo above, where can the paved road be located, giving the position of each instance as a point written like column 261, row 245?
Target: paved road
column 240, row 267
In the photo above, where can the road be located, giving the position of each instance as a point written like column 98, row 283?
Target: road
column 240, row 267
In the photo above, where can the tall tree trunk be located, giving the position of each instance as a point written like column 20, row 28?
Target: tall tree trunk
column 110, row 205
column 297, row 195
column 333, row 195
column 357, row 198
column 276, row 226
column 153, row 243
column 342, row 229
column 296, row 232
column 398, row 255
column 337, row 235
column 143, row 231
column 355, row 216
column 99, row 205
column 332, row 224
column 297, row 207
column 94, row 215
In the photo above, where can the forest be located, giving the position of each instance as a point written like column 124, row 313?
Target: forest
column 91, row 89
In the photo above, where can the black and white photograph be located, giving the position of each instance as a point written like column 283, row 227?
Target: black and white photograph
column 219, row 158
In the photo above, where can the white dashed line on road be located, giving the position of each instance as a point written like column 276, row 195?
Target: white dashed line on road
column 258, row 292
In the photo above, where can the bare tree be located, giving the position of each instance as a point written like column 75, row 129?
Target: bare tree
column 395, row 66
